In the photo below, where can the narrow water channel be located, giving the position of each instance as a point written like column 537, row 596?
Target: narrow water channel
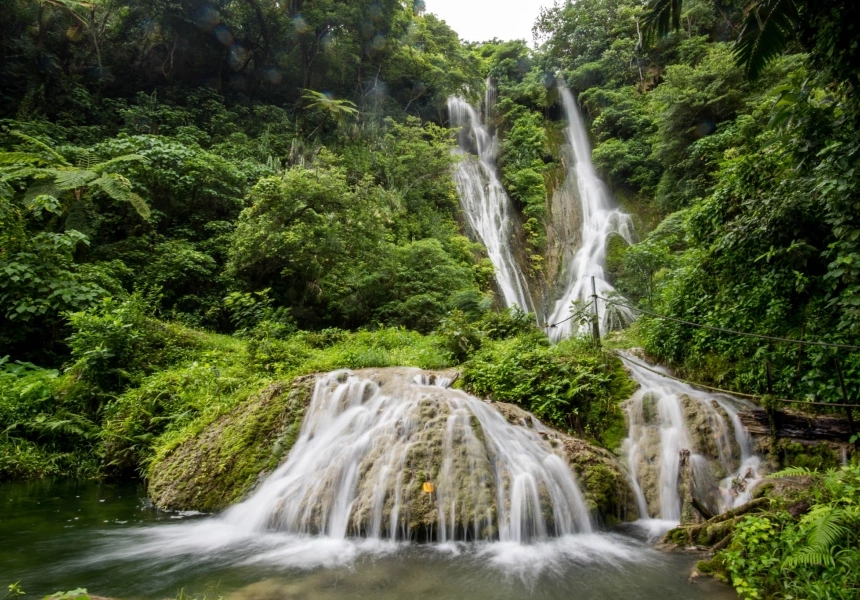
column 109, row 539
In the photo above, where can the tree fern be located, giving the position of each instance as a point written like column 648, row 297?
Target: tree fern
column 72, row 178
column 119, row 188
column 60, row 176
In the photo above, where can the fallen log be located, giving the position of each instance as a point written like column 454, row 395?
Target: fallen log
column 795, row 425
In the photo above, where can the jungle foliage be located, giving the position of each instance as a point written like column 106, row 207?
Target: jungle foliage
column 200, row 198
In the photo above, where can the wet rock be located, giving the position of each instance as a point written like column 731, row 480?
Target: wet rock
column 604, row 480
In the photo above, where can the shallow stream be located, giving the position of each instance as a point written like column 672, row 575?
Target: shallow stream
column 107, row 538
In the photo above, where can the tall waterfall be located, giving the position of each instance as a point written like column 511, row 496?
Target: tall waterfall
column 486, row 206
column 598, row 220
column 672, row 423
column 382, row 454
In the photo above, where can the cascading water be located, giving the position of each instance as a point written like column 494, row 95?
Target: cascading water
column 372, row 440
column 672, row 423
column 487, row 208
column 598, row 221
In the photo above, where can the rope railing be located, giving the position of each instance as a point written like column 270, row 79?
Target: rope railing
column 730, row 392
column 771, row 338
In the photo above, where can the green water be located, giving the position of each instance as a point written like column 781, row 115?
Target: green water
column 108, row 539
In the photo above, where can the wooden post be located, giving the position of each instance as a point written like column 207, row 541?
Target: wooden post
column 595, row 326
column 769, row 377
column 844, row 395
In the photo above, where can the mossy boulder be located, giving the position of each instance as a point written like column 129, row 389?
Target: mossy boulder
column 220, row 464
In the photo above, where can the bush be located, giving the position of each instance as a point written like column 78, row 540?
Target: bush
column 570, row 385
column 814, row 556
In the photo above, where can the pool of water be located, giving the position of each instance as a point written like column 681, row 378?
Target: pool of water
column 107, row 538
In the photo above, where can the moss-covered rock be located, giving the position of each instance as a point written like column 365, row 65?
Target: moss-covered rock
column 219, row 465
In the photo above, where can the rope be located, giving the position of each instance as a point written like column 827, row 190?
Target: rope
column 731, row 392
column 732, row 331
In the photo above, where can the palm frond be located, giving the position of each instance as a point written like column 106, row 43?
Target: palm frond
column 765, row 34
column 119, row 188
column 661, row 17
column 71, row 178
column 42, row 146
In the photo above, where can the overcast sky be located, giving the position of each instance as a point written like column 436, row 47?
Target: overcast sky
column 481, row 20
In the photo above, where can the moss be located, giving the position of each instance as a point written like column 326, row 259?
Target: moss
column 219, row 465
column 614, row 255
column 815, row 456
column 715, row 567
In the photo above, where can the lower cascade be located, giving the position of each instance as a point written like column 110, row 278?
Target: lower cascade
column 396, row 454
column 687, row 451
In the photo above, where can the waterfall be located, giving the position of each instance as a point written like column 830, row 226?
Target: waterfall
column 671, row 422
column 598, row 220
column 393, row 454
column 487, row 208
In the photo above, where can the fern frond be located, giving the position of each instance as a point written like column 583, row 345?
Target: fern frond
column 793, row 472
column 827, row 528
column 17, row 158
column 86, row 159
column 104, row 166
column 72, row 178
column 20, row 173
column 42, row 146
column 118, row 187
column 808, row 558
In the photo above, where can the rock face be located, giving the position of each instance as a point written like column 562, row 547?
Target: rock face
column 219, row 465
column 408, row 433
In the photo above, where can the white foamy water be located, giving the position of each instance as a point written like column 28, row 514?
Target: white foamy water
column 586, row 199
column 486, row 206
column 659, row 427
column 369, row 442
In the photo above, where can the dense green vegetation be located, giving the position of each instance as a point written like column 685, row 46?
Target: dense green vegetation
column 198, row 200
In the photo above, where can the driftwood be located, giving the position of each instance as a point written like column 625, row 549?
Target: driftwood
column 716, row 529
column 790, row 424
